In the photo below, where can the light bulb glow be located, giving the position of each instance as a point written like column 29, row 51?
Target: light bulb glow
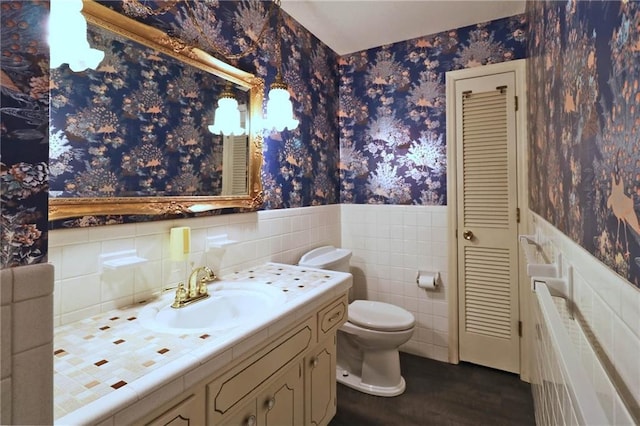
column 68, row 37
column 227, row 118
column 280, row 110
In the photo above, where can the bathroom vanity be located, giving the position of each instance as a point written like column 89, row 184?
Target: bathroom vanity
column 279, row 369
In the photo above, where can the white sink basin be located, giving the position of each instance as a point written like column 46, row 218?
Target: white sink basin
column 231, row 304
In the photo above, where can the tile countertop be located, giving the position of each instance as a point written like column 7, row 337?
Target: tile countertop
column 106, row 363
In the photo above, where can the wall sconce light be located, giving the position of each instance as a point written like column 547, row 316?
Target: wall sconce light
column 279, row 106
column 279, row 114
column 227, row 115
column 68, row 37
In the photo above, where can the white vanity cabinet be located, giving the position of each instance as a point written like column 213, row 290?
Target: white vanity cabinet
column 288, row 381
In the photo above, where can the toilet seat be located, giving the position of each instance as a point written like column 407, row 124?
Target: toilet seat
column 380, row 316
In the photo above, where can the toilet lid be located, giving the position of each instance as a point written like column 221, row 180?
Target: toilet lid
column 380, row 316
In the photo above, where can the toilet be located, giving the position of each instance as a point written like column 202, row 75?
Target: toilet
column 367, row 356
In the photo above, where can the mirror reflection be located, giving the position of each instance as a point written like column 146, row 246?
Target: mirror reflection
column 137, row 130
column 138, row 126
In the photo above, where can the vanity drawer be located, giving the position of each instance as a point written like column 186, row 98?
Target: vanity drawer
column 332, row 316
column 237, row 387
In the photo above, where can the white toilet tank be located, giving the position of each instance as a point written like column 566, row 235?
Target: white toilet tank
column 327, row 257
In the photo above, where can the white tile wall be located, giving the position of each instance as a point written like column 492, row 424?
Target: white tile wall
column 81, row 290
column 551, row 394
column 610, row 306
column 390, row 244
column 558, row 369
column 27, row 345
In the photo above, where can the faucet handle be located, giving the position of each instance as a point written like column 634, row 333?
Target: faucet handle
column 207, row 279
column 202, row 288
column 181, row 296
column 166, row 289
column 211, row 276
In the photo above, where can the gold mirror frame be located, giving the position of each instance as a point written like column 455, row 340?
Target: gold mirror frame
column 101, row 16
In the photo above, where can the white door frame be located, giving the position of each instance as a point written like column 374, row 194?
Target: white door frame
column 519, row 67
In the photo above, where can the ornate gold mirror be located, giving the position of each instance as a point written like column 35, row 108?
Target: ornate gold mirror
column 132, row 137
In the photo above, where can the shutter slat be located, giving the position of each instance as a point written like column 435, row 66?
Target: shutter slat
column 240, row 156
column 485, row 152
column 487, row 291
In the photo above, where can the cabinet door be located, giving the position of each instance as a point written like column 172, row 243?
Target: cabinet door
column 245, row 416
column 320, row 367
column 188, row 412
column 282, row 404
column 248, row 379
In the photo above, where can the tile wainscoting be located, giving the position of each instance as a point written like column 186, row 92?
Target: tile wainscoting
column 82, row 290
column 390, row 244
column 610, row 307
column 26, row 343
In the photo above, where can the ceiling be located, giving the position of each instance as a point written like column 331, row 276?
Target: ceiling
column 349, row 26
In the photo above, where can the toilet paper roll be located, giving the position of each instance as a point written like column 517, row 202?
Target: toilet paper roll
column 428, row 280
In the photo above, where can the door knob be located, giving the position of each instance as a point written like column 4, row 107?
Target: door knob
column 467, row 235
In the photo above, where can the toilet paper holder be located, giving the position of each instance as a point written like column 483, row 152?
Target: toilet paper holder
column 429, row 280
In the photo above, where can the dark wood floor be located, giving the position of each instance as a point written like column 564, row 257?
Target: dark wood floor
column 441, row 394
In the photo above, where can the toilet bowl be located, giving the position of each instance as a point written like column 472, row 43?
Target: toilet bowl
column 367, row 356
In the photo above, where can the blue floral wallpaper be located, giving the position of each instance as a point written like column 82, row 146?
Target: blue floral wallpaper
column 584, row 170
column 301, row 166
column 371, row 124
column 583, row 95
column 392, row 110
column 24, row 115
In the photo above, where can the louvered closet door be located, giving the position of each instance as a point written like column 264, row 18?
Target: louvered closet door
column 487, row 221
column 235, row 163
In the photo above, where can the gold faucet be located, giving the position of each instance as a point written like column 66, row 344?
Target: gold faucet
column 197, row 288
